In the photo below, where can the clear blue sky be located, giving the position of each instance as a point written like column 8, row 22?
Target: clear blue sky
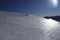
column 35, row 7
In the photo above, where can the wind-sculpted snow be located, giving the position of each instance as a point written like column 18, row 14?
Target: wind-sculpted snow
column 22, row 27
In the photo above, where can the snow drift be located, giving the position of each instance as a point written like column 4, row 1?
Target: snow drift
column 27, row 27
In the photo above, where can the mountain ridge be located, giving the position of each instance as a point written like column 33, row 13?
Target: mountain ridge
column 56, row 18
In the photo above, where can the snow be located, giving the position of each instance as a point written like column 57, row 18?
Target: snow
column 22, row 27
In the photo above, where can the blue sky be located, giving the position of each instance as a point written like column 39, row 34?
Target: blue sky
column 35, row 7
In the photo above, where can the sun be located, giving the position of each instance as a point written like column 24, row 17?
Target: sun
column 54, row 3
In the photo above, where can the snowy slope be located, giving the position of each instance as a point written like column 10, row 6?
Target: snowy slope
column 22, row 27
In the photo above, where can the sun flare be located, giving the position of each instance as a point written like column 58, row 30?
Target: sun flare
column 54, row 3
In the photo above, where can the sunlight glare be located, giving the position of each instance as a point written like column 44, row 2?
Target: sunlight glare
column 50, row 24
column 54, row 3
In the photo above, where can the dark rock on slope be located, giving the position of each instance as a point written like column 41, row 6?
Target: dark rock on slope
column 57, row 18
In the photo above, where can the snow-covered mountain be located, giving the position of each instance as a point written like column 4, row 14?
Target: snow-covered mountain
column 27, row 27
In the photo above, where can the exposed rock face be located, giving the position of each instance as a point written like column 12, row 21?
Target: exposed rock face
column 23, row 27
column 57, row 18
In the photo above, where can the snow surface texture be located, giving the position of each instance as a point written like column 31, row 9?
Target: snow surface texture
column 22, row 27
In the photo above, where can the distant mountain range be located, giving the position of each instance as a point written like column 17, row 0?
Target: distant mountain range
column 57, row 18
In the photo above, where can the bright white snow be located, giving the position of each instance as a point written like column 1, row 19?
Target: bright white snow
column 21, row 27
